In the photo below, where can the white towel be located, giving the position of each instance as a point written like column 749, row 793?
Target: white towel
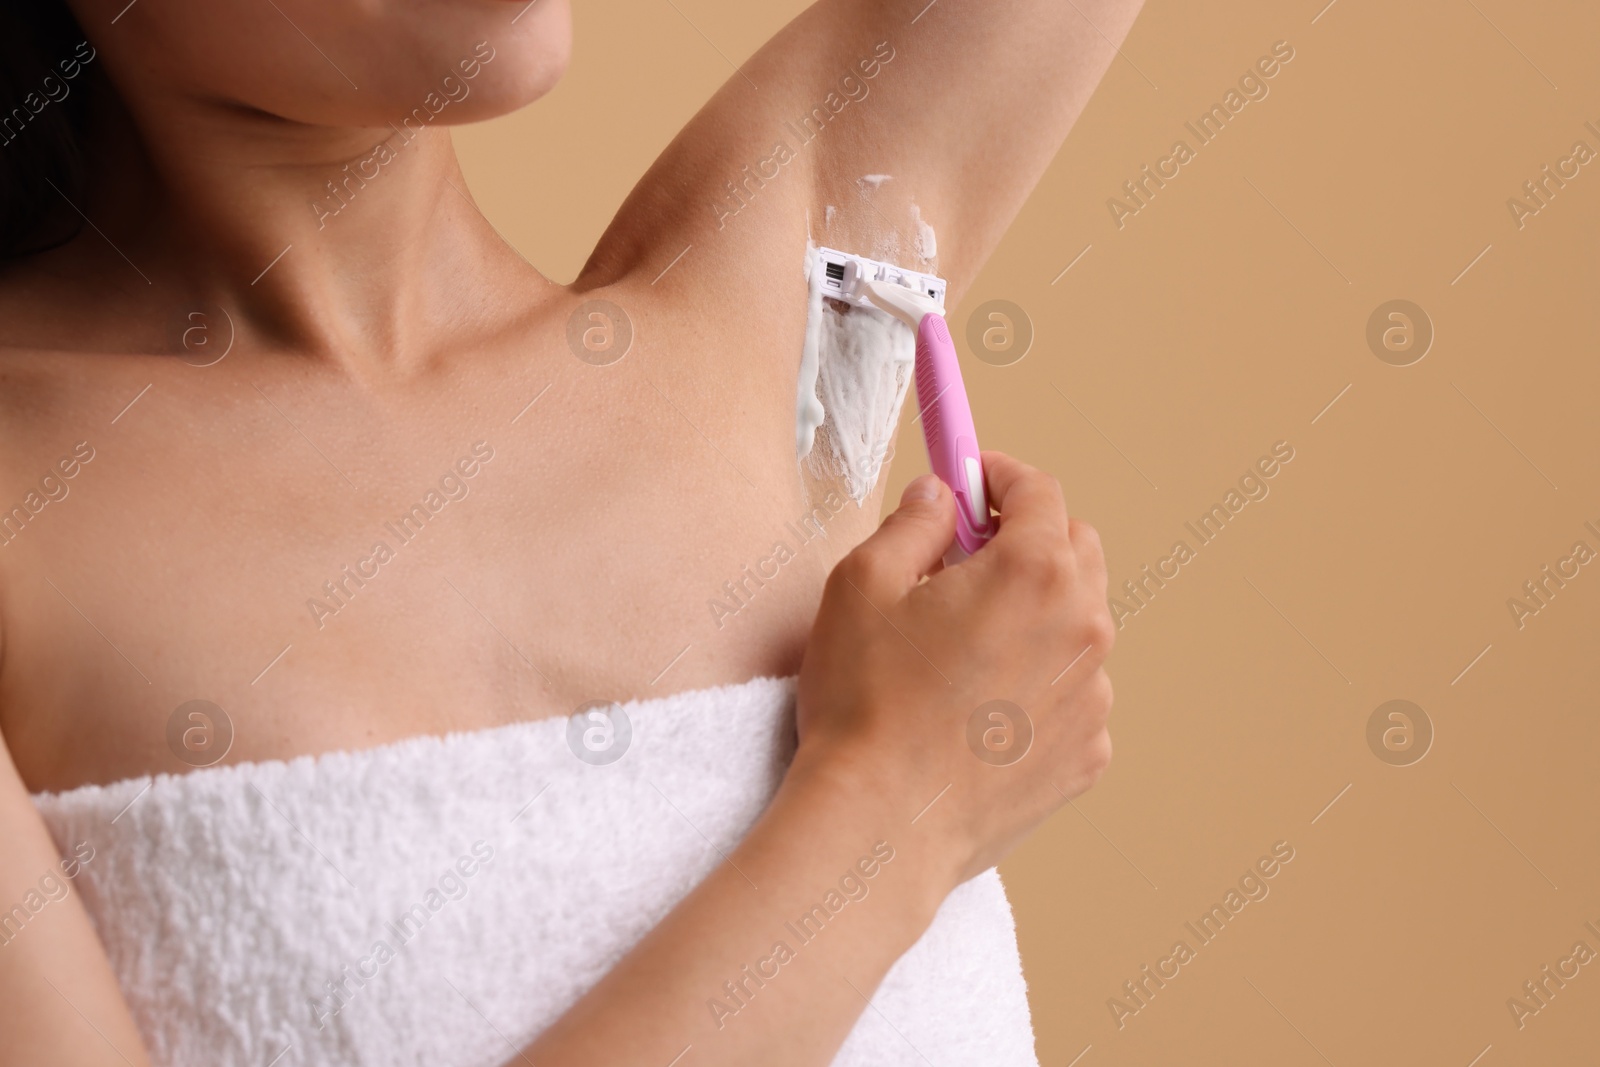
column 233, row 901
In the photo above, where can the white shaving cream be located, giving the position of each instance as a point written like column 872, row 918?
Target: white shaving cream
column 927, row 242
column 855, row 367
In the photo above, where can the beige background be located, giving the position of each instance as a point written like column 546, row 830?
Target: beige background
column 1222, row 318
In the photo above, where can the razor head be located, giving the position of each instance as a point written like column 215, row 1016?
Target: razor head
column 907, row 305
column 845, row 277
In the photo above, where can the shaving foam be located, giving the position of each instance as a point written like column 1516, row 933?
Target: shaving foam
column 855, row 367
column 927, row 241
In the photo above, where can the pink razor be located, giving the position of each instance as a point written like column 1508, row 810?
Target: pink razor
column 946, row 416
column 917, row 299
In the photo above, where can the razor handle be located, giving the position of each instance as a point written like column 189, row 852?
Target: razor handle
column 949, row 434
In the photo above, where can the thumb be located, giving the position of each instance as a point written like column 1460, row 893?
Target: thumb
column 913, row 538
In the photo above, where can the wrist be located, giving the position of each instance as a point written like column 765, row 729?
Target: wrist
column 848, row 800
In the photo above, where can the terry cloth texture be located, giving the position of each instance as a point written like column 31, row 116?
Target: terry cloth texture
column 441, row 900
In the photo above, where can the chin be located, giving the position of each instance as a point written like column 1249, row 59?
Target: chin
column 518, row 75
column 473, row 56
column 530, row 57
column 485, row 57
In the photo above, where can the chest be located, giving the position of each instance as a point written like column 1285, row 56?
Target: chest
column 337, row 567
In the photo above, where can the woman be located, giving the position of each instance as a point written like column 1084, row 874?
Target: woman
column 252, row 321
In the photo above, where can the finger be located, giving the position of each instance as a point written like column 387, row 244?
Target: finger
column 911, row 541
column 1024, row 496
column 1089, row 553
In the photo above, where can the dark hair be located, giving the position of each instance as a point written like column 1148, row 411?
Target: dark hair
column 40, row 40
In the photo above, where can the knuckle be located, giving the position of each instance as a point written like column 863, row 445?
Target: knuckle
column 1098, row 628
column 1051, row 568
column 1011, row 557
column 1037, row 558
column 1085, row 539
column 1021, row 470
column 1098, row 756
column 1032, row 473
column 1088, row 624
column 1103, row 695
column 1045, row 484
column 1087, row 761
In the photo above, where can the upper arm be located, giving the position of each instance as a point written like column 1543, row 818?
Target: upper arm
column 62, row 1002
column 961, row 104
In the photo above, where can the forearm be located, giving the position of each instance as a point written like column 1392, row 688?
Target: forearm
column 770, row 959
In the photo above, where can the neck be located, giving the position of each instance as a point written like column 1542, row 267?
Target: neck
column 359, row 246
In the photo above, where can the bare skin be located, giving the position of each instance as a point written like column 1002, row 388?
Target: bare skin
column 391, row 339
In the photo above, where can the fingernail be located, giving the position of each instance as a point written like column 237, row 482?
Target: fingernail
column 924, row 488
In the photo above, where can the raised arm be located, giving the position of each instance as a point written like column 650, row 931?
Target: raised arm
column 961, row 103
